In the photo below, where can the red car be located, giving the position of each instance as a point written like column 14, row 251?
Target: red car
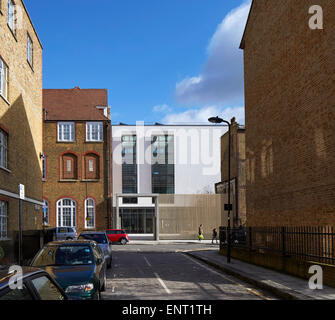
column 117, row 235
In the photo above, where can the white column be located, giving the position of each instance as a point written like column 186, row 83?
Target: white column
column 157, row 218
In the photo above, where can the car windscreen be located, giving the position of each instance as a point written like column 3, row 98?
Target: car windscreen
column 98, row 237
column 65, row 255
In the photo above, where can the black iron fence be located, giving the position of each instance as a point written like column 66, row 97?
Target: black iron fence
column 304, row 243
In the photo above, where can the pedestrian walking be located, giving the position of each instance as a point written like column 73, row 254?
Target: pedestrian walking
column 215, row 236
column 201, row 233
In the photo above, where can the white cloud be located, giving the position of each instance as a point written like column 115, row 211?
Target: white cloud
column 221, row 80
column 201, row 115
column 162, row 108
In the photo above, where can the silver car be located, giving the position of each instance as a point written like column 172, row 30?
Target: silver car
column 63, row 233
column 103, row 242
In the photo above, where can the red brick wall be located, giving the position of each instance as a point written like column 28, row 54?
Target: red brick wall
column 290, row 112
column 54, row 188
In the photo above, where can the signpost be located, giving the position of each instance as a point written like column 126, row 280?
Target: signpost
column 22, row 197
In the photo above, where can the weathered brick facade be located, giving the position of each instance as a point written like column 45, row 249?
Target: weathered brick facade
column 237, row 174
column 290, row 112
column 21, row 118
column 79, row 106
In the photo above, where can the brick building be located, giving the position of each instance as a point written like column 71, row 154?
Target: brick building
column 76, row 185
column 20, row 123
column 290, row 111
column 237, row 174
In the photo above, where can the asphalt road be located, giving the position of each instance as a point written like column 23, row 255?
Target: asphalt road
column 164, row 272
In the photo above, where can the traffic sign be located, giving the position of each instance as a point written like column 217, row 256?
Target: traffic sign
column 22, row 195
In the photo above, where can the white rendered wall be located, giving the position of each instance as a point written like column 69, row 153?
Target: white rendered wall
column 197, row 152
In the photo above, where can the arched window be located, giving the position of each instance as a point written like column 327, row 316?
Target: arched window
column 89, row 213
column 45, row 212
column 69, row 166
column 92, row 169
column 66, row 213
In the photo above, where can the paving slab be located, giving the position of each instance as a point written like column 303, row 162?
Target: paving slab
column 283, row 285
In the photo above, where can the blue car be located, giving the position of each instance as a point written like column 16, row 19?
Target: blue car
column 102, row 239
column 78, row 266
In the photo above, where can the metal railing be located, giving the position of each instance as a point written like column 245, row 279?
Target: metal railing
column 302, row 243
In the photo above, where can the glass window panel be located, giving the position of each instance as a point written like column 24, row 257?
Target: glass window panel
column 17, row 294
column 46, row 289
column 45, row 212
column 129, row 165
column 66, row 213
column 3, row 220
column 94, row 131
column 29, row 50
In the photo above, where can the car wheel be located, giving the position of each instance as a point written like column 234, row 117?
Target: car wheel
column 68, row 238
column 123, row 241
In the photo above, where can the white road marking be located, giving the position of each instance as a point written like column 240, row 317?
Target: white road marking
column 162, row 283
column 147, row 261
column 255, row 292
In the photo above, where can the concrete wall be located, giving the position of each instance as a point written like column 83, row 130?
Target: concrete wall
column 181, row 215
column 289, row 103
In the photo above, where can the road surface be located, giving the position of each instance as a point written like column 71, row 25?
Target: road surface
column 164, row 272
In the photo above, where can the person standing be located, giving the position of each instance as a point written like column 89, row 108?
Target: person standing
column 201, row 233
column 215, row 236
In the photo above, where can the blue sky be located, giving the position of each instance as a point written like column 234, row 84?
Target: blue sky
column 165, row 61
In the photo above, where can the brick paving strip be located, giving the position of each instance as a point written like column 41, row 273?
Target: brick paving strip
column 284, row 286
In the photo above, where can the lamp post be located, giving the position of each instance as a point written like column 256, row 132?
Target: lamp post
column 229, row 206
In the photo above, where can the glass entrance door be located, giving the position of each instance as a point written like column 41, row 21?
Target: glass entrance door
column 137, row 220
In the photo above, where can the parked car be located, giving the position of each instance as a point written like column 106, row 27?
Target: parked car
column 102, row 240
column 118, row 235
column 61, row 233
column 78, row 266
column 36, row 285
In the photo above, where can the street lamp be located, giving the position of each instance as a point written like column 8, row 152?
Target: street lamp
column 229, row 206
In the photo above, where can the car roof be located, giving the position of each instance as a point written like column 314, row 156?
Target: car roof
column 69, row 242
column 116, row 230
column 93, row 232
column 26, row 272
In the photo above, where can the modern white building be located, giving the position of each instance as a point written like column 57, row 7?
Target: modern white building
column 151, row 160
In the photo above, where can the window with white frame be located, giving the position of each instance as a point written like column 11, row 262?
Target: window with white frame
column 66, row 213
column 11, row 15
column 29, row 50
column 45, row 212
column 89, row 213
column 94, row 131
column 3, row 149
column 66, row 131
column 3, row 220
column 3, row 79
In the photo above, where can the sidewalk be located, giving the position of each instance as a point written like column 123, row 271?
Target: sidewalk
column 285, row 286
column 154, row 242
